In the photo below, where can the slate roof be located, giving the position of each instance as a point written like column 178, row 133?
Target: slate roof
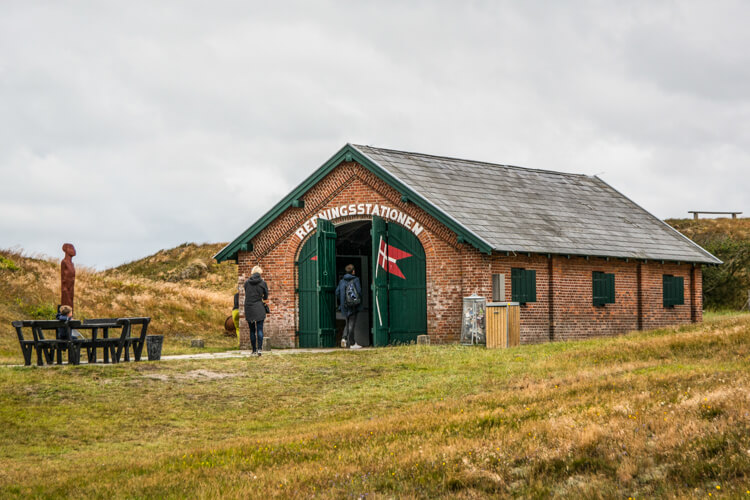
column 526, row 210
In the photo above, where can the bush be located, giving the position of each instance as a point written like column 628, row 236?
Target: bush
column 8, row 264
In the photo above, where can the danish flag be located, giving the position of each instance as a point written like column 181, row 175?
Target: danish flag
column 388, row 256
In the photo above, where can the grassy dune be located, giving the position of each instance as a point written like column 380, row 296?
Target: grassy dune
column 725, row 286
column 184, row 291
column 652, row 414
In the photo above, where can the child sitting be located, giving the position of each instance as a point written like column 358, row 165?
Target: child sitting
column 66, row 314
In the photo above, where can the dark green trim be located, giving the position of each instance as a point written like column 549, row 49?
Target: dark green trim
column 298, row 203
column 350, row 153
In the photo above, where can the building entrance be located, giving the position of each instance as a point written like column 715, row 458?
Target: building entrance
column 391, row 265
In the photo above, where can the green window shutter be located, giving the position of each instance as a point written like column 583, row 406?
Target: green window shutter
column 679, row 296
column 603, row 288
column 531, row 290
column 522, row 285
column 673, row 290
column 597, row 291
column 515, row 285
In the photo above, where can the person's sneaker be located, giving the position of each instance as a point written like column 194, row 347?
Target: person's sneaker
column 260, row 354
column 254, row 353
column 356, row 346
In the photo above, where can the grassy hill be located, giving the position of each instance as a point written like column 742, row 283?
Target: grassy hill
column 188, row 264
column 661, row 414
column 186, row 293
column 725, row 286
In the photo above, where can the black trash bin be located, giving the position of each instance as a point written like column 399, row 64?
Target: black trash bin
column 153, row 346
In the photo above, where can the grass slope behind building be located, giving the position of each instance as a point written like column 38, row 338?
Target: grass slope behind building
column 725, row 286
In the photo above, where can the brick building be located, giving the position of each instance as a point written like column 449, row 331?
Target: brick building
column 425, row 231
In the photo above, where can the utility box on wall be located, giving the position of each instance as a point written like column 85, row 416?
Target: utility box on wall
column 503, row 324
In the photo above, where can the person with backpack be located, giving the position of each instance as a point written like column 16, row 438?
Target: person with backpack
column 349, row 297
column 256, row 293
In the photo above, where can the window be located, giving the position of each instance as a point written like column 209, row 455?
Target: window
column 498, row 288
column 603, row 288
column 522, row 285
column 673, row 290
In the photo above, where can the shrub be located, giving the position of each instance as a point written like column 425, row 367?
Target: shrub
column 8, row 264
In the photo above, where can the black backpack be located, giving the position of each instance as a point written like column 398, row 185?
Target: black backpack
column 351, row 295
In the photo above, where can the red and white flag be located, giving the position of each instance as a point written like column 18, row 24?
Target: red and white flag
column 388, row 256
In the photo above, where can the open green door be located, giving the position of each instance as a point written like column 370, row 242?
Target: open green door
column 379, row 281
column 307, row 269
column 407, row 279
column 325, row 238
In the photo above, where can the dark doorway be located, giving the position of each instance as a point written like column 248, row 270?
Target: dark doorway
column 354, row 246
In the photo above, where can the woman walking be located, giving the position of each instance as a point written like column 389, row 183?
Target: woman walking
column 256, row 291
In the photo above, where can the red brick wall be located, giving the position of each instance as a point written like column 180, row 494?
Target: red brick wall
column 535, row 316
column 563, row 309
column 575, row 316
column 655, row 315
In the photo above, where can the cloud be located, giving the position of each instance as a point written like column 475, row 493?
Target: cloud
column 132, row 127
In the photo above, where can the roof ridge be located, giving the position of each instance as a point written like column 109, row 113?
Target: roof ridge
column 486, row 163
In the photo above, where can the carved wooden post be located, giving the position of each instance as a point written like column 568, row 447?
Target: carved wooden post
column 67, row 275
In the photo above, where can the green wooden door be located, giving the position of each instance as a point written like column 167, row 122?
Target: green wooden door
column 407, row 293
column 379, row 281
column 308, row 294
column 325, row 238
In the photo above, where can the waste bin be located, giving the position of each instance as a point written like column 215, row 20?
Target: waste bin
column 503, row 324
column 153, row 346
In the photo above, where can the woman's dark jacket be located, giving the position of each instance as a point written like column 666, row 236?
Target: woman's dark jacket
column 256, row 291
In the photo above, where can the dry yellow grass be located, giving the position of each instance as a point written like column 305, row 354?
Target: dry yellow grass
column 179, row 310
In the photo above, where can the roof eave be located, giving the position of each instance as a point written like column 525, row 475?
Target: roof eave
column 351, row 153
column 712, row 259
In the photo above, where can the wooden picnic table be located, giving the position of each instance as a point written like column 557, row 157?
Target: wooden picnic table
column 113, row 347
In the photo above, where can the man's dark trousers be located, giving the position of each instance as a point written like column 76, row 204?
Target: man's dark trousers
column 351, row 320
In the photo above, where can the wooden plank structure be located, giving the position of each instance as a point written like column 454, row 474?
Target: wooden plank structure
column 503, row 324
column 696, row 213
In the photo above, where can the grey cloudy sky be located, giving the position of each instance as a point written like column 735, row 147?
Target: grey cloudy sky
column 127, row 127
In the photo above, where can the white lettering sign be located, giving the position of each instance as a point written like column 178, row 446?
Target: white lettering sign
column 383, row 211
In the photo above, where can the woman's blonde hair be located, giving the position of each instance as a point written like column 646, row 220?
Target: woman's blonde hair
column 256, row 269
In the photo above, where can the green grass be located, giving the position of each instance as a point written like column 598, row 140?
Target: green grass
column 651, row 414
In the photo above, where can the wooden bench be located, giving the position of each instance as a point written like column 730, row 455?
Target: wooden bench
column 134, row 342
column 108, row 344
column 51, row 349
column 47, row 349
column 696, row 213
